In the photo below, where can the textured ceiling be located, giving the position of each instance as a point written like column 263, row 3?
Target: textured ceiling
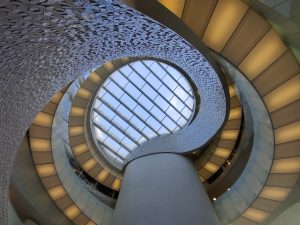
column 45, row 44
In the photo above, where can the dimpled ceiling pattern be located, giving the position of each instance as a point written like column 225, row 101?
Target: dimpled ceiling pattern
column 45, row 44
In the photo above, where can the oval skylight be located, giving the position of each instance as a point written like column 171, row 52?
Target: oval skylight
column 138, row 102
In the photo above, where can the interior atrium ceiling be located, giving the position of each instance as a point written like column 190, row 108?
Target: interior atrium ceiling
column 138, row 102
column 97, row 96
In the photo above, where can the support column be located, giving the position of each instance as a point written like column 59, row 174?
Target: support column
column 163, row 189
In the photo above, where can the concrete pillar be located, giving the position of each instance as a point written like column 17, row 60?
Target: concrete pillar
column 163, row 189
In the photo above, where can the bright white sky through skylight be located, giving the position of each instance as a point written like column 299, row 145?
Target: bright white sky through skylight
column 140, row 101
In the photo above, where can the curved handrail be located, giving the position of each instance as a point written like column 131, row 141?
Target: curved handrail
column 71, row 182
column 247, row 187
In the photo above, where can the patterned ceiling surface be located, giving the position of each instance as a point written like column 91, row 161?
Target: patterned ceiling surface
column 45, row 44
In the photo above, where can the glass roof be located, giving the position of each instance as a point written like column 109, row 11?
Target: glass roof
column 140, row 101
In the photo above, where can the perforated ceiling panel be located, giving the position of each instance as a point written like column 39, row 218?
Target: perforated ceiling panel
column 46, row 44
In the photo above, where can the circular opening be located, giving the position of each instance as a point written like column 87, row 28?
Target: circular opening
column 138, row 102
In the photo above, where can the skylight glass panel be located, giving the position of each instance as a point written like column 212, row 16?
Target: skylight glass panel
column 181, row 121
column 164, row 91
column 114, row 132
column 97, row 104
column 177, row 103
column 110, row 154
column 156, row 68
column 139, row 68
column 142, row 140
column 104, row 124
column 101, row 93
column 186, row 112
column 116, row 90
column 158, row 113
column 142, row 113
column 171, row 83
column 133, row 133
column 122, row 152
column 129, row 143
column 132, row 90
column 119, row 79
column 148, row 132
column 148, row 62
column 169, row 123
column 122, row 110
column 121, row 123
column 163, row 105
column 173, row 113
column 106, row 111
column 112, row 144
column 190, row 102
column 153, row 123
column 163, row 131
column 185, row 85
column 181, row 93
column 138, row 81
column 137, row 122
column 138, row 102
column 155, row 82
column 129, row 101
column 149, row 92
column 110, row 100
column 126, row 70
column 175, row 73
column 101, row 136
column 146, row 102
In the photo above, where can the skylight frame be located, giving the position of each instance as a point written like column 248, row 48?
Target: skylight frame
column 163, row 125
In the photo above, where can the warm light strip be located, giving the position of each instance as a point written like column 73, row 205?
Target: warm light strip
column 40, row 145
column 74, row 131
column 46, row 170
column 284, row 94
column 222, row 152
column 57, row 97
column 202, row 179
column 109, row 66
column 264, row 53
column 289, row 165
column 72, row 212
column 102, row 175
column 225, row 19
column 77, row 111
column 125, row 60
column 90, row 223
column 175, row 6
column 79, row 149
column 57, row 192
column 84, row 93
column 116, row 185
column 89, row 164
column 287, row 133
column 255, row 215
column 95, row 78
column 232, row 91
column 229, row 134
column 235, row 113
column 211, row 167
column 43, row 119
column 275, row 193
